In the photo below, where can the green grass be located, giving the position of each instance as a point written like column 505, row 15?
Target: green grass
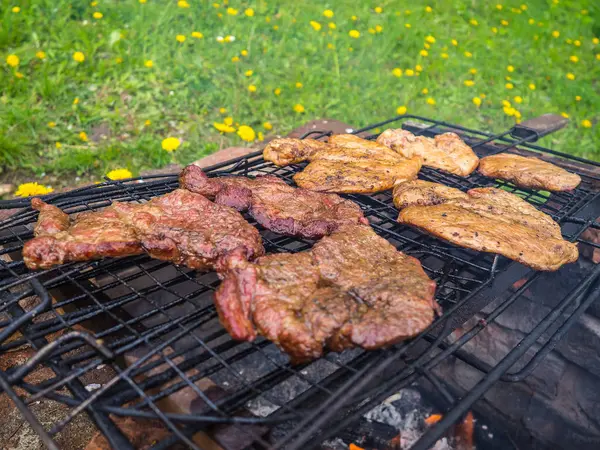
column 344, row 78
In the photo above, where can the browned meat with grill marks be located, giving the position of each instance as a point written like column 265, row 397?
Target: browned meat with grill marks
column 287, row 151
column 351, row 289
column 528, row 172
column 181, row 227
column 356, row 177
column 423, row 193
column 275, row 205
column 446, row 151
column 496, row 221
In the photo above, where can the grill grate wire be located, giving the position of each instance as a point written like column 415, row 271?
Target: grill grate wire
column 106, row 312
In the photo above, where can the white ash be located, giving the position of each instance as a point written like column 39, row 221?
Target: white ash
column 261, row 407
column 92, row 387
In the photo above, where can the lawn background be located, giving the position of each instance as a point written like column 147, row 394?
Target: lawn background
column 126, row 108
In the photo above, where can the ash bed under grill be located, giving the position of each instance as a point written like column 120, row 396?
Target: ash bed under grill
column 153, row 325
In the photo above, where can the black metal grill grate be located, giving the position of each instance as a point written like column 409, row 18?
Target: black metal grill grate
column 155, row 326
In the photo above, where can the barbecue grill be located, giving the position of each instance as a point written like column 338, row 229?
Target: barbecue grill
column 155, row 327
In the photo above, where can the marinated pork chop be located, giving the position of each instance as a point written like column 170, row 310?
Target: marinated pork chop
column 275, row 205
column 424, row 193
column 495, row 221
column 356, row 177
column 528, row 172
column 181, row 227
column 446, row 151
column 352, row 289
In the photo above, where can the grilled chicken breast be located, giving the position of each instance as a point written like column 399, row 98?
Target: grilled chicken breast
column 356, row 177
column 424, row 193
column 446, row 151
column 528, row 172
column 496, row 221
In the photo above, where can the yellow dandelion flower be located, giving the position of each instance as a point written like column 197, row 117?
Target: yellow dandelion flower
column 244, row 53
column 299, row 108
column 499, row 7
column 431, row 101
column 454, row 42
column 419, row 68
column 468, row 54
column 476, row 101
column 481, row 95
column 570, row 76
column 577, row 43
column 170, row 144
column 12, row 60
column 235, row 59
column 507, row 78
column 216, row 5
column 16, row 9
column 83, row 136
column 183, row 4
column 180, row 38
column 397, row 72
column 504, row 22
column 510, row 68
column 223, row 128
column 142, row 1
column 19, row 75
column 444, row 55
column 299, row 85
column 354, row 18
column 473, row 71
column 98, row 15
column 595, row 41
column 424, row 91
column 578, row 98
column 555, row 33
column 57, row 144
column 423, row 53
column 574, row 59
column 148, row 63
column 401, row 110
column 249, row 73
column 232, row 11
column 407, row 25
column 119, row 174
column 509, row 85
column 531, row 21
column 430, row 39
column 277, row 91
column 428, row 9
column 228, row 121
column 474, row 22
column 330, row 46
column 518, row 99
column 40, row 55
column 565, row 115
column 597, row 55
column 76, row 100
column 494, row 30
column 354, row 34
column 246, row 133
column 252, row 88
column 506, row 103
column 469, row 83
column 316, row 25
column 409, row 72
column 378, row 9
column 118, row 60
column 331, row 25
column 378, row 28
column 586, row 123
column 31, row 189
column 267, row 126
column 147, row 122
column 328, row 13
column 51, row 124
column 509, row 110
column 532, row 86
column 222, row 110
column 197, row 35
column 79, row 57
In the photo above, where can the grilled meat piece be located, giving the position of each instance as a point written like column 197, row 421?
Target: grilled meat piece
column 275, row 205
column 181, row 227
column 356, row 177
column 495, row 221
column 352, row 289
column 286, row 151
column 446, row 151
column 528, row 172
column 424, row 193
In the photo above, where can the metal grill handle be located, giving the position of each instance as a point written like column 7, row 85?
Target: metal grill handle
column 535, row 128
